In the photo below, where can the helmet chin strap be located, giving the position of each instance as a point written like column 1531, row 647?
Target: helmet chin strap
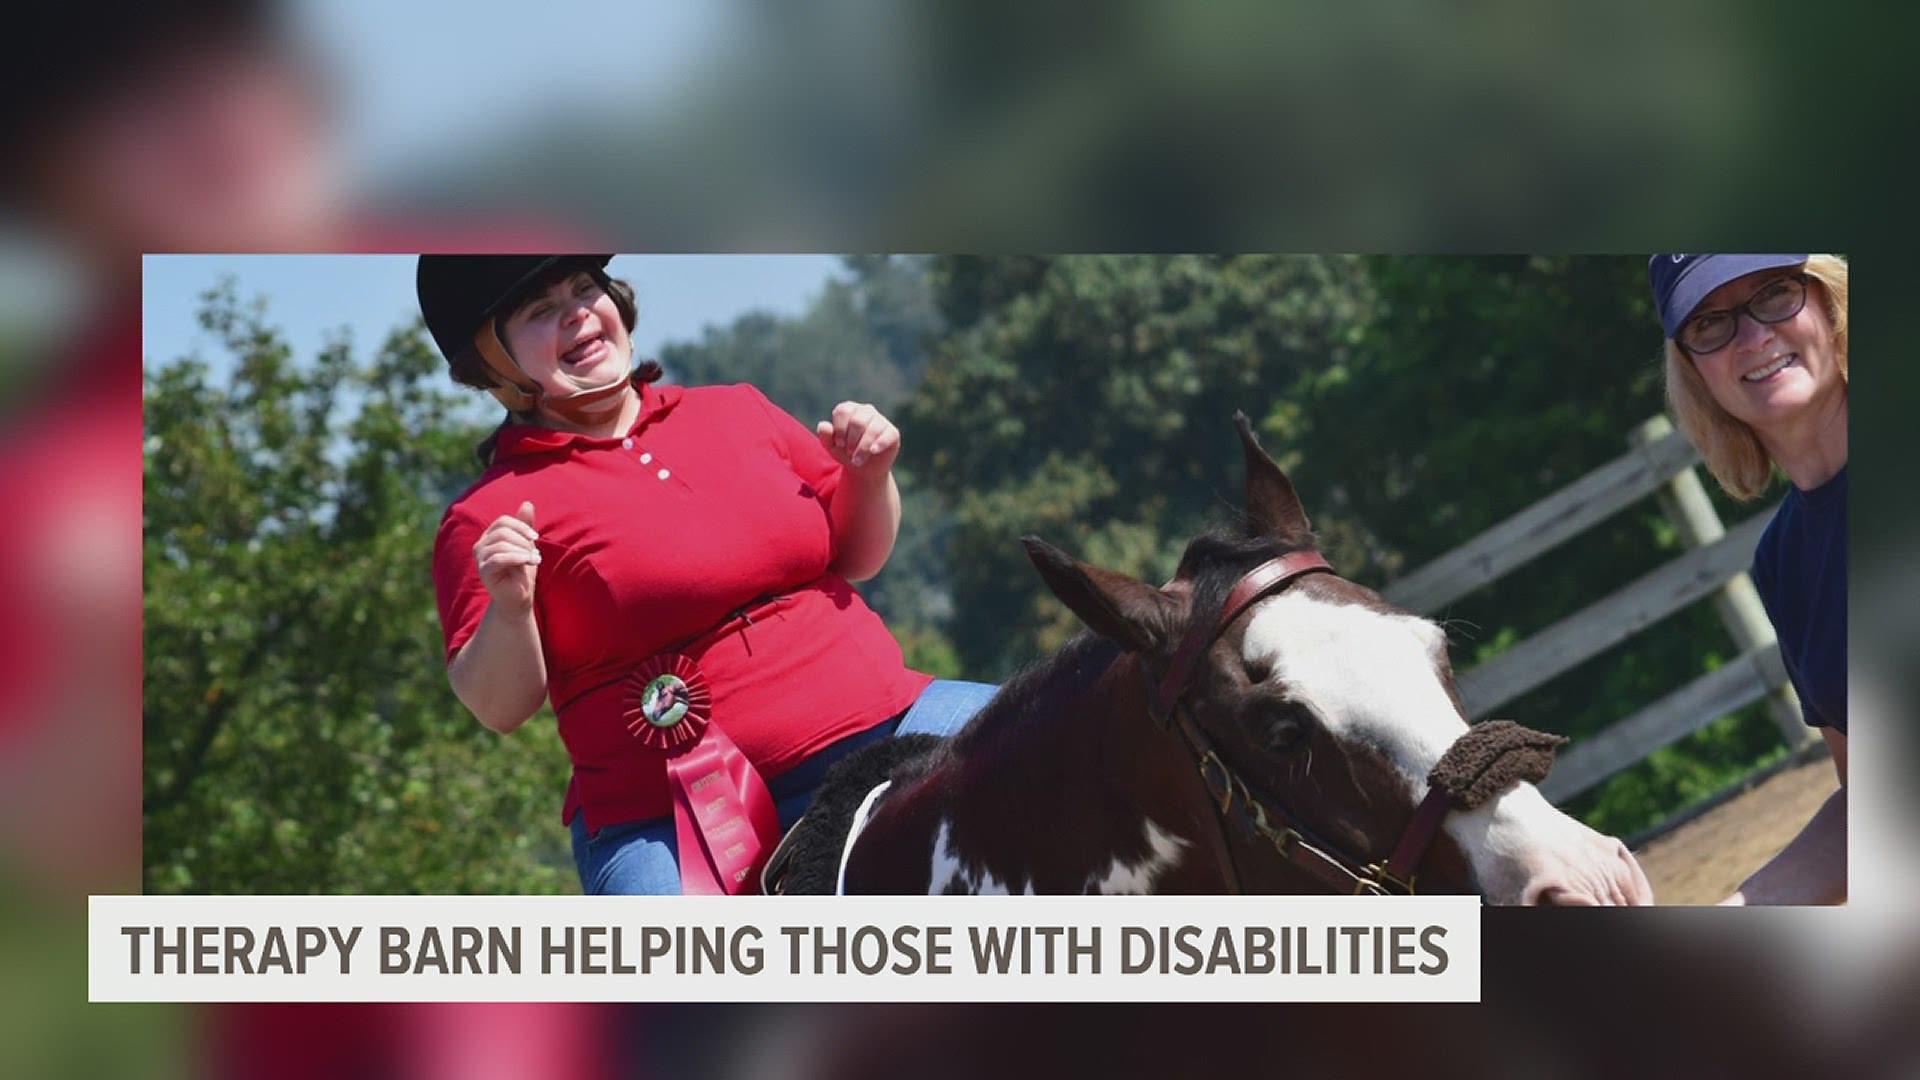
column 587, row 395
column 522, row 395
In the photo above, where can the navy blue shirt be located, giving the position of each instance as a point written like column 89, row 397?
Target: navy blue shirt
column 1800, row 569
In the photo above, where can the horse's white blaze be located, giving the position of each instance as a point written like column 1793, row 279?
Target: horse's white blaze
column 1506, row 839
column 953, row 872
column 1372, row 677
column 1137, row 878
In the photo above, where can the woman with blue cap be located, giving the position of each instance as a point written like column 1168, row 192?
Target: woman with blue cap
column 1756, row 365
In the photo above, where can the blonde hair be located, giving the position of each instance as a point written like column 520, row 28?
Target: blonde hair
column 1733, row 452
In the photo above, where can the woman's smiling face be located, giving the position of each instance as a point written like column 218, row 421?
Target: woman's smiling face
column 569, row 337
column 1770, row 373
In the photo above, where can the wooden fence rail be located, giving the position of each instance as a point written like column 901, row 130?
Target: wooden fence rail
column 1725, row 689
column 1608, row 622
column 1660, row 462
column 1544, row 526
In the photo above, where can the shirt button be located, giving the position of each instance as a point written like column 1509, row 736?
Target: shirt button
column 646, row 459
column 664, row 474
column 626, row 444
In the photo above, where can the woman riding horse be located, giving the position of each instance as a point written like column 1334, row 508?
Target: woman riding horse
column 670, row 567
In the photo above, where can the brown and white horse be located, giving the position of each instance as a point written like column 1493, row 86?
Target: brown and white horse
column 1259, row 724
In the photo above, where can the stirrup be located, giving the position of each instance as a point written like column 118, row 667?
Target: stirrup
column 773, row 876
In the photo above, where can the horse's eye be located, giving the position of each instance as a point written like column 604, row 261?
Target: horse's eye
column 1285, row 726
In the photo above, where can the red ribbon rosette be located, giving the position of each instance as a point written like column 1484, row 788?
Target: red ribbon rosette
column 668, row 704
column 723, row 816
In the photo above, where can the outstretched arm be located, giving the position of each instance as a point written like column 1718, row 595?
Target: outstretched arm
column 1812, row 869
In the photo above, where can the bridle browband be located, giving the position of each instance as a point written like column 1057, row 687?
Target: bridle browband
column 1251, row 811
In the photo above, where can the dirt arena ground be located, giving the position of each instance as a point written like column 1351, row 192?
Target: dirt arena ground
column 1708, row 857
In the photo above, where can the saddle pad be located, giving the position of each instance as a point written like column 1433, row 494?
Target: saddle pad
column 859, row 822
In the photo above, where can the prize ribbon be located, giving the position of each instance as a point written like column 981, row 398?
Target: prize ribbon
column 668, row 704
column 724, row 817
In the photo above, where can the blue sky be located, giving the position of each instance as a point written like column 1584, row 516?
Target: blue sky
column 310, row 297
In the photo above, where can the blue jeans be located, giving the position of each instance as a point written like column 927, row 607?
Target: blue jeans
column 642, row 858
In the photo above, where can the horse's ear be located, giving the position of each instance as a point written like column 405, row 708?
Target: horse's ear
column 1128, row 612
column 1272, row 505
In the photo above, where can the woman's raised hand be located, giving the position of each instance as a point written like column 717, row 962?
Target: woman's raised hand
column 508, row 558
column 860, row 438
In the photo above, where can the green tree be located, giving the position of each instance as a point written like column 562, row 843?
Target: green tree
column 300, row 733
column 1089, row 399
column 806, row 365
column 896, row 302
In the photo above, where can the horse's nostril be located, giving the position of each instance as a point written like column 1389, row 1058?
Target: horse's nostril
column 1545, row 894
column 1555, row 894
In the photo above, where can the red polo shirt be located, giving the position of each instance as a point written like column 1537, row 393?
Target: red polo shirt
column 716, row 501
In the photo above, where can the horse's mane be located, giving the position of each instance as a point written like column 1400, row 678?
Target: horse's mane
column 1214, row 561
column 1038, row 691
column 810, row 858
column 1217, row 559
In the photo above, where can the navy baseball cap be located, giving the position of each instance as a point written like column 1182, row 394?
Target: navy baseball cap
column 1680, row 282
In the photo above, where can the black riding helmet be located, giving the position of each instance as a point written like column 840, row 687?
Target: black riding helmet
column 461, row 295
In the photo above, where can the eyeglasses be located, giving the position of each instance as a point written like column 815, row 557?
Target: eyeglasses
column 1777, row 301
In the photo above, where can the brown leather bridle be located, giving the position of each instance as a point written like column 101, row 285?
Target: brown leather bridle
column 1251, row 811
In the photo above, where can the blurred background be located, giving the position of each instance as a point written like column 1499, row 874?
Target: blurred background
column 252, row 126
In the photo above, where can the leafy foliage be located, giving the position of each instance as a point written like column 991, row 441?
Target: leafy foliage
column 1088, row 399
column 863, row 338
column 300, row 734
